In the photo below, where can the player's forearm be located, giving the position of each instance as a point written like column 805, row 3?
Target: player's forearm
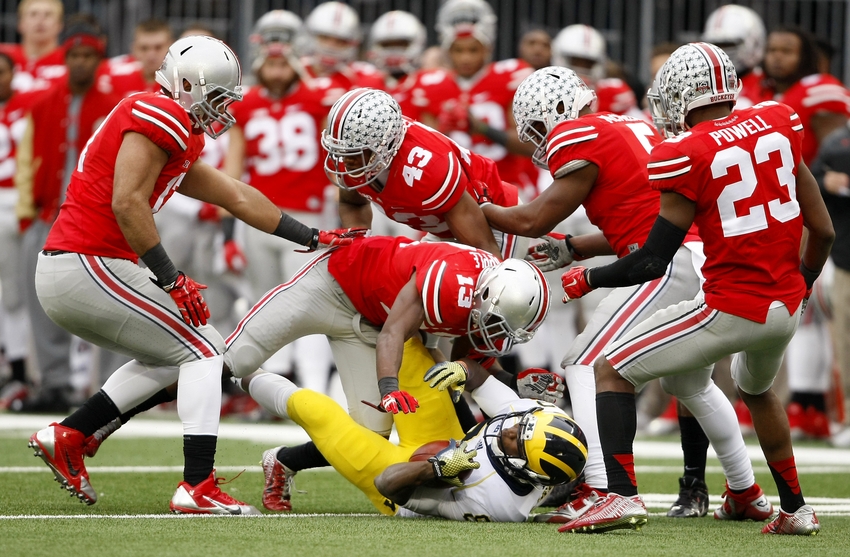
column 134, row 217
column 398, row 481
column 355, row 216
column 522, row 220
column 591, row 245
column 389, row 349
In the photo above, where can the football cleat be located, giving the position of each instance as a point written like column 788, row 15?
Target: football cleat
column 277, row 493
column 581, row 500
column 612, row 512
column 93, row 441
column 208, row 498
column 692, row 501
column 61, row 448
column 749, row 505
column 802, row 522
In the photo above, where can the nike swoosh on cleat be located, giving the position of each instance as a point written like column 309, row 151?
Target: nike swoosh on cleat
column 573, row 283
column 232, row 509
column 74, row 471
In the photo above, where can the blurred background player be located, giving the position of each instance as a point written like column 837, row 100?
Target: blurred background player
column 135, row 72
column 14, row 320
column 740, row 32
column 39, row 61
column 535, row 48
column 58, row 127
column 276, row 142
column 582, row 49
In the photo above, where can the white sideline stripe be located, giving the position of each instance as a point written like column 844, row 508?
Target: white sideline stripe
column 23, row 426
column 180, row 516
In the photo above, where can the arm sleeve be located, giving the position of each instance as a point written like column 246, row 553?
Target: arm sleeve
column 647, row 263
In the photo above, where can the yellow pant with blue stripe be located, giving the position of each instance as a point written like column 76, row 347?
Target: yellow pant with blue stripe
column 359, row 454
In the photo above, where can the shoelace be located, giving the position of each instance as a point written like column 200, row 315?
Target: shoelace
column 579, row 493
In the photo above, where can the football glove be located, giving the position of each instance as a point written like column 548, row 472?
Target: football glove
column 399, row 401
column 448, row 375
column 575, row 284
column 333, row 238
column 481, row 192
column 186, row 294
column 208, row 212
column 555, row 252
column 454, row 116
column 234, row 257
column 453, row 460
column 540, row 384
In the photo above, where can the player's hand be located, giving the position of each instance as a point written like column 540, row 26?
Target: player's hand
column 806, row 300
column 334, row 238
column 454, row 116
column 186, row 294
column 399, row 401
column 453, row 460
column 575, row 284
column 553, row 253
column 540, row 384
column 234, row 257
column 448, row 375
column 208, row 212
column 481, row 192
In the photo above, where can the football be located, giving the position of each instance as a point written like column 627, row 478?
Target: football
column 428, row 450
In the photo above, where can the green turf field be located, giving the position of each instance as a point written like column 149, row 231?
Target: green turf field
column 333, row 518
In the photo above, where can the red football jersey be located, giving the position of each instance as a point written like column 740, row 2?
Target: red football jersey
column 813, row 94
column 86, row 223
column 428, row 176
column 615, row 95
column 489, row 98
column 13, row 123
column 621, row 203
column 123, row 76
column 35, row 75
column 752, row 90
column 372, row 272
column 284, row 157
column 741, row 173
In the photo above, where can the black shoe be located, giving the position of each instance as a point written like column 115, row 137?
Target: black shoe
column 52, row 401
column 692, row 501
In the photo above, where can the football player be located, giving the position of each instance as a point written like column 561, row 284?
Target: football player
column 471, row 103
column 395, row 46
column 134, row 72
column 741, row 179
column 39, row 61
column 514, row 457
column 276, row 141
column 599, row 160
column 412, row 173
column 90, row 283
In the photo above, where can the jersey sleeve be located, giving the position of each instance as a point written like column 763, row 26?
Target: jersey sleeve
column 668, row 170
column 446, row 292
column 825, row 94
column 162, row 121
column 449, row 182
column 571, row 146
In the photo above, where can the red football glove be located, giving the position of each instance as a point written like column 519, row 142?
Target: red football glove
column 186, row 294
column 453, row 116
column 24, row 224
column 234, row 257
column 481, row 192
column 208, row 212
column 575, row 284
column 806, row 300
column 540, row 384
column 399, row 401
column 334, row 238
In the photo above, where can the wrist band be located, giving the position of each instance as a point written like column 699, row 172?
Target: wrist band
column 160, row 265
column 387, row 385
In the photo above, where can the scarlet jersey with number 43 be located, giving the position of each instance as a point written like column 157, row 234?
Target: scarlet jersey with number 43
column 488, row 97
column 428, row 176
column 741, row 172
column 86, row 223
column 620, row 203
column 372, row 272
column 283, row 151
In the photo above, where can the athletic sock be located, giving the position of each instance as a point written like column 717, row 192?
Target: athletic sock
column 198, row 457
column 301, row 457
column 617, row 419
column 158, row 398
column 785, row 475
column 19, row 370
column 95, row 413
column 694, row 446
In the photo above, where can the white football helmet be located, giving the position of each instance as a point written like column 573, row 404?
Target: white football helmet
column 580, row 41
column 659, row 117
column 740, row 32
column 204, row 76
column 466, row 18
column 396, row 26
column 273, row 35
column 509, row 302
column 695, row 75
column 337, row 20
column 545, row 98
column 362, row 120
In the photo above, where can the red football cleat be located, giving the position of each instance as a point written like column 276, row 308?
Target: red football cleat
column 581, row 499
column 207, row 498
column 61, row 448
column 277, row 493
column 612, row 512
column 750, row 505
